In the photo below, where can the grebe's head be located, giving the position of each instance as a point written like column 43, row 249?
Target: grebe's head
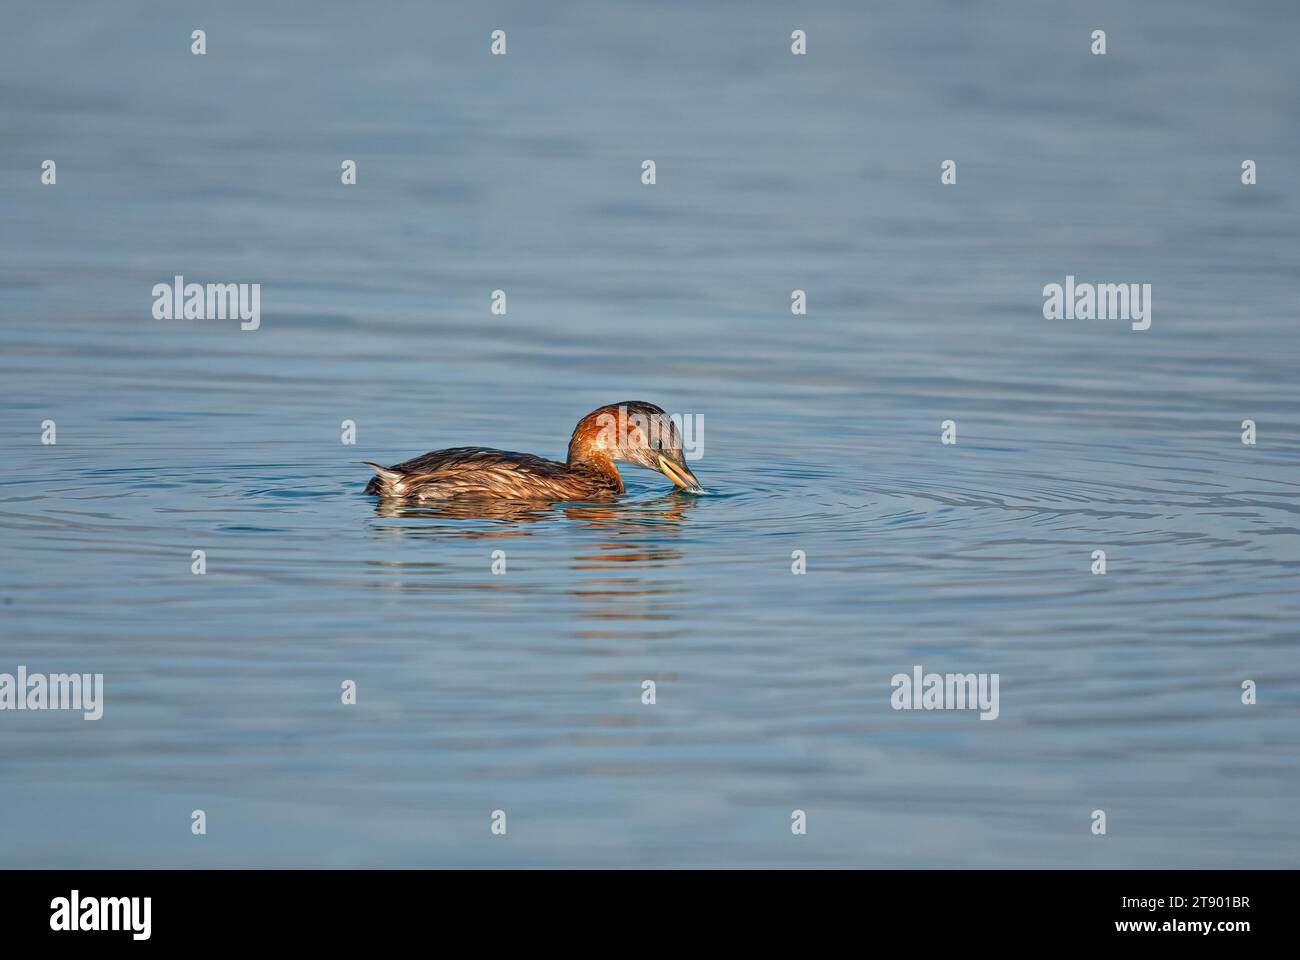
column 634, row 432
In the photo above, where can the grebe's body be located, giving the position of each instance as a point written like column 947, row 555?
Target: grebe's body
column 634, row 431
column 479, row 471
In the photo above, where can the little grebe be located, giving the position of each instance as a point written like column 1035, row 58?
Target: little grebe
column 634, row 431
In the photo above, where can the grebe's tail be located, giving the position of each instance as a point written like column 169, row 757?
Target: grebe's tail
column 385, row 482
column 389, row 475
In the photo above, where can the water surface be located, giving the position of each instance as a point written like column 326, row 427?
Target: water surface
column 522, row 691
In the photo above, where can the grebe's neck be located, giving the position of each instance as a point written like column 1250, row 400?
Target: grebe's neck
column 586, row 451
column 595, row 462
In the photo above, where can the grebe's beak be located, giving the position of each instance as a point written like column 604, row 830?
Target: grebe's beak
column 680, row 474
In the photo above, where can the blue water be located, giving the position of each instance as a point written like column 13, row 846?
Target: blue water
column 522, row 691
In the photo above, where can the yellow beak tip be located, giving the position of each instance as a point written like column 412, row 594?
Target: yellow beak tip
column 680, row 475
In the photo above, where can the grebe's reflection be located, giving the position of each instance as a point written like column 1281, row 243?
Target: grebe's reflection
column 623, row 576
column 506, row 518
